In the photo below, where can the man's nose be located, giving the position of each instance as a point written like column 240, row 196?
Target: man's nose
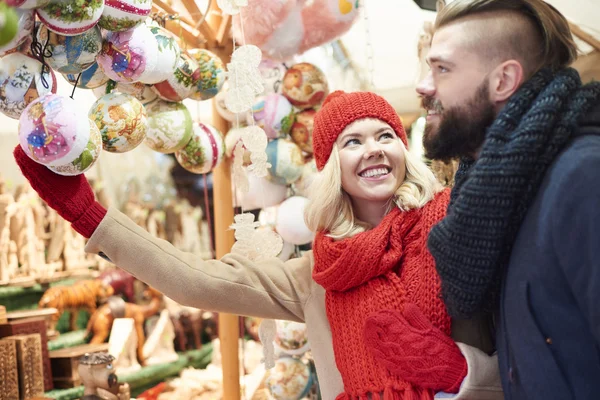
column 426, row 86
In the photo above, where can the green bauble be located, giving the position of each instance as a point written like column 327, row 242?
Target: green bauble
column 9, row 23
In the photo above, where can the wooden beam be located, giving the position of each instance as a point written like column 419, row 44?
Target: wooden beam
column 197, row 15
column 583, row 35
column 223, row 30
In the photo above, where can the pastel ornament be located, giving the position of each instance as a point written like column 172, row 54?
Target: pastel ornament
column 87, row 158
column 70, row 54
column 25, row 20
column 326, row 20
column 309, row 173
column 140, row 91
column 289, row 379
column 212, row 74
column 204, row 151
column 262, row 193
column 168, row 54
column 129, row 56
column 272, row 73
column 21, row 82
column 305, row 85
column 53, row 130
column 291, row 338
column 234, row 139
column 290, row 221
column 121, row 15
column 170, row 126
column 181, row 82
column 122, row 121
column 71, row 17
column 275, row 114
column 92, row 78
column 302, row 129
column 27, row 4
column 286, row 161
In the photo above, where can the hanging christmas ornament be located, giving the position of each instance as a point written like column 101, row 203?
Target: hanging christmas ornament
column 121, row 15
column 212, row 74
column 27, row 4
column 91, row 78
column 21, row 82
column 25, row 22
column 302, row 129
column 239, row 118
column 129, row 56
column 140, row 91
column 261, row 193
column 253, row 244
column 234, row 139
column 245, row 81
column 255, row 141
column 204, row 151
column 305, row 85
column 181, row 82
column 9, row 24
column 121, row 119
column 290, row 221
column 168, row 54
column 286, row 159
column 272, row 73
column 169, row 126
column 88, row 156
column 274, row 114
column 70, row 54
column 53, row 130
column 71, row 17
column 309, row 173
column 291, row 338
column 289, row 379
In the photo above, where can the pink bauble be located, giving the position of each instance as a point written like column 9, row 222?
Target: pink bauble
column 71, row 17
column 272, row 72
column 262, row 193
column 274, row 114
column 54, row 130
column 86, row 159
column 290, row 221
column 204, row 151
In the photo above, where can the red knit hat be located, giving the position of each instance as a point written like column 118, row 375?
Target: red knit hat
column 339, row 110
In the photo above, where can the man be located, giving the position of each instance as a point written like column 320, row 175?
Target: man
column 522, row 230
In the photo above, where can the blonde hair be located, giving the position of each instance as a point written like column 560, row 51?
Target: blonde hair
column 551, row 44
column 330, row 209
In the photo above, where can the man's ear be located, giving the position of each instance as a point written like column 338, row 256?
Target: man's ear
column 505, row 80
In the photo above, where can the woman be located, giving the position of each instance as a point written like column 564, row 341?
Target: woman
column 372, row 208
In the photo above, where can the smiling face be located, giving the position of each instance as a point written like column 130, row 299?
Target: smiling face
column 371, row 161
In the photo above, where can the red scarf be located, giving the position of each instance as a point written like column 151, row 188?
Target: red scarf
column 379, row 269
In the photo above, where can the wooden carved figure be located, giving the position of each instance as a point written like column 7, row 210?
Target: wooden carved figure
column 101, row 321
column 121, row 281
column 99, row 379
column 86, row 294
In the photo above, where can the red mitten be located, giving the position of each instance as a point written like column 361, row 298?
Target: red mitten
column 71, row 196
column 409, row 346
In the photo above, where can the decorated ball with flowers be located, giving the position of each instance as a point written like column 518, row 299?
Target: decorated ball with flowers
column 305, row 85
column 272, row 73
column 170, row 126
column 91, row 78
column 54, row 130
column 128, row 56
column 274, row 114
column 291, row 337
column 289, row 379
column 122, row 121
column 87, row 158
column 71, row 17
column 27, row 4
column 204, row 151
column 21, row 82
column 24, row 19
column 212, row 74
column 286, row 161
column 302, row 129
column 168, row 54
column 120, row 15
column 181, row 82
column 140, row 91
column 70, row 54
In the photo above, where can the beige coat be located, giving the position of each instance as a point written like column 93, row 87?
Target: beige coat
column 269, row 289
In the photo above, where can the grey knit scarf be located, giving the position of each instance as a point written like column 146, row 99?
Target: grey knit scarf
column 491, row 196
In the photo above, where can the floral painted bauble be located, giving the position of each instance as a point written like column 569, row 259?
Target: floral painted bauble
column 121, row 119
column 286, row 161
column 140, row 91
column 289, row 379
column 274, row 114
column 291, row 337
column 27, row 4
column 25, row 23
column 168, row 54
column 305, row 85
column 170, row 126
column 54, row 130
column 21, row 82
column 128, row 56
column 120, row 15
column 302, row 129
column 212, row 74
column 181, row 83
column 87, row 158
column 70, row 54
column 9, row 24
column 91, row 78
column 71, row 17
column 204, row 151
column 272, row 73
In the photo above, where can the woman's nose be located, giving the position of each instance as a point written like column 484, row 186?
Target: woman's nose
column 373, row 152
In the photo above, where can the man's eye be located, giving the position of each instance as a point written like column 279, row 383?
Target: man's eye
column 442, row 68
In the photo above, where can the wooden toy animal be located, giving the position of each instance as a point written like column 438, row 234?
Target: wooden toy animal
column 121, row 281
column 86, row 294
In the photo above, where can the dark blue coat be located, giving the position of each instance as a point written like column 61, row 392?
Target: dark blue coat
column 548, row 334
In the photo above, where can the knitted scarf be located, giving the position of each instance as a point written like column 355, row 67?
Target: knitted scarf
column 472, row 244
column 379, row 269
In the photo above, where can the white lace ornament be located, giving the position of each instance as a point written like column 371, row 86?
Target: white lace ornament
column 267, row 331
column 240, row 178
column 245, row 80
column 256, row 245
column 231, row 7
column 255, row 140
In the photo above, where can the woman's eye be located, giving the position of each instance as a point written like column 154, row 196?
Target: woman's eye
column 387, row 135
column 352, row 142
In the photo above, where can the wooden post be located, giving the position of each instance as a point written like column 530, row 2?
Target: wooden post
column 224, row 239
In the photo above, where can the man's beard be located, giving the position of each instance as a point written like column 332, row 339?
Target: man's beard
column 461, row 129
